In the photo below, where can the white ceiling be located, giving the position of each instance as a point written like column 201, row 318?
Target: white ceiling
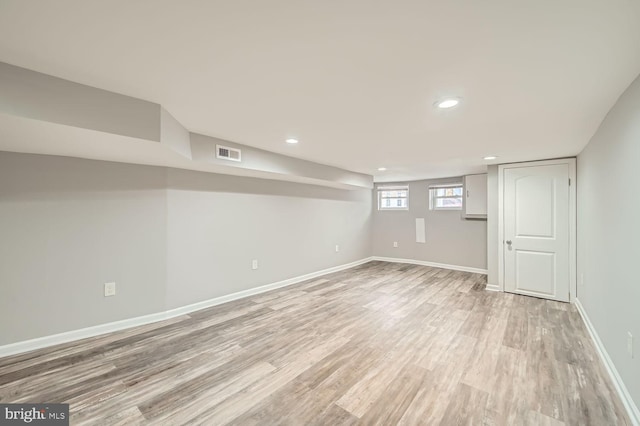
column 354, row 81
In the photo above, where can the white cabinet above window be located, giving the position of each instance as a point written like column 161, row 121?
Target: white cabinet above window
column 475, row 197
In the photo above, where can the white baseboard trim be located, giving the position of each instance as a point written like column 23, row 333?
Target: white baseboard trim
column 97, row 330
column 629, row 405
column 262, row 289
column 432, row 264
column 493, row 287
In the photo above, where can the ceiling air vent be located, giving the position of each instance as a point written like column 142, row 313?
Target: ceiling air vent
column 226, row 153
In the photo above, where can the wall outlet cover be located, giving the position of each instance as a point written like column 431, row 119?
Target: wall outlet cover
column 109, row 289
column 395, row 244
column 254, row 264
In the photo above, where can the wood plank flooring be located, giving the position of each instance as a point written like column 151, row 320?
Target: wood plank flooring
column 381, row 343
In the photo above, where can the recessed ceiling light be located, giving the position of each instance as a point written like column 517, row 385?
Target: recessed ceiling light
column 292, row 141
column 490, row 157
column 382, row 169
column 447, row 103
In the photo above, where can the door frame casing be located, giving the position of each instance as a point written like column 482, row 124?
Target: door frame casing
column 571, row 162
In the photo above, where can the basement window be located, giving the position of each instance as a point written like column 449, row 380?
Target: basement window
column 445, row 197
column 393, row 198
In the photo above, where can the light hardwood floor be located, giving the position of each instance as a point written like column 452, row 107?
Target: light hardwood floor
column 382, row 343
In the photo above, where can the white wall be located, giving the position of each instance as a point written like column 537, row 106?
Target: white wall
column 609, row 234
column 167, row 237
column 450, row 239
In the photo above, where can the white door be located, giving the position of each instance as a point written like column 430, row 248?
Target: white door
column 536, row 222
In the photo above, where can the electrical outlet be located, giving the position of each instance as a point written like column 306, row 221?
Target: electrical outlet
column 395, row 244
column 630, row 344
column 337, row 248
column 254, row 264
column 109, row 289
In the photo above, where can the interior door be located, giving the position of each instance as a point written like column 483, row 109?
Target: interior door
column 536, row 231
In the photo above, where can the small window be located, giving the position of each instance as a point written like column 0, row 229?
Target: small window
column 445, row 197
column 393, row 198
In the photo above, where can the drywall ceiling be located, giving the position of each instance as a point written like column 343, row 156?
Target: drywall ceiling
column 354, row 81
column 19, row 134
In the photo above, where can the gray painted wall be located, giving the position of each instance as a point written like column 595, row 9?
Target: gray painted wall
column 174, row 135
column 167, row 237
column 450, row 239
column 609, row 232
column 67, row 226
column 492, row 225
column 218, row 224
column 43, row 97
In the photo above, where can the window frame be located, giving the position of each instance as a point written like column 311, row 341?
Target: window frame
column 381, row 189
column 433, row 196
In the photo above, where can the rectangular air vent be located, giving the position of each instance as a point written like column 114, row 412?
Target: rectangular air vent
column 226, row 153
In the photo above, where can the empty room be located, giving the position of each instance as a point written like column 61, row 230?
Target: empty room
column 319, row 212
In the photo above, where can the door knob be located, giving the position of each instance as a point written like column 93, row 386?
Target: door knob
column 509, row 242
